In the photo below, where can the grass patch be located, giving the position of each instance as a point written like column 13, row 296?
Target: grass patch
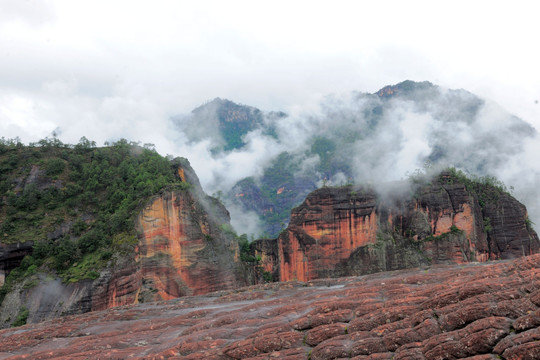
column 86, row 268
column 21, row 317
column 454, row 230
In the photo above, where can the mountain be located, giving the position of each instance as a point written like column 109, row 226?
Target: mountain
column 227, row 121
column 473, row 311
column 356, row 138
column 87, row 228
column 447, row 219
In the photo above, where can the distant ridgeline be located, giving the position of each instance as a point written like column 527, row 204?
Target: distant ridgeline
column 349, row 138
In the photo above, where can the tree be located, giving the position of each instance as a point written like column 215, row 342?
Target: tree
column 54, row 167
column 85, row 144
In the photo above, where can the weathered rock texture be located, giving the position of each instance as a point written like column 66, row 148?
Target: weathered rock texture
column 347, row 231
column 182, row 249
column 185, row 247
column 473, row 311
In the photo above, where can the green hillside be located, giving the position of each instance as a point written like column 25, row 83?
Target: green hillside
column 75, row 203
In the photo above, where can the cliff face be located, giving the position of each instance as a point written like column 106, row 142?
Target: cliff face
column 182, row 250
column 345, row 231
column 185, row 244
column 324, row 231
column 46, row 297
column 185, row 247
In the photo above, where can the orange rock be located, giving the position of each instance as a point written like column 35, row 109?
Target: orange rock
column 175, row 235
column 346, row 231
column 378, row 316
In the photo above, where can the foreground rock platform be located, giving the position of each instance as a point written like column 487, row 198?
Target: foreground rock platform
column 475, row 311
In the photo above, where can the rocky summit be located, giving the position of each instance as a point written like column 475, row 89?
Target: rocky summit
column 343, row 231
column 474, row 311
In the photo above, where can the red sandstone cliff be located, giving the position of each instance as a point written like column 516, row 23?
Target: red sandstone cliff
column 185, row 247
column 182, row 249
column 346, row 231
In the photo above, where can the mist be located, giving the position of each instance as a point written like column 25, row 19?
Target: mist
column 373, row 140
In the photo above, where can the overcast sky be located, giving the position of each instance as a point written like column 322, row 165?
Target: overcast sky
column 110, row 69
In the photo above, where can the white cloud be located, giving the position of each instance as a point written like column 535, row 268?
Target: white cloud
column 31, row 12
column 273, row 55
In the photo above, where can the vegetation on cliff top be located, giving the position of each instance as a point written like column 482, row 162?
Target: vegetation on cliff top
column 487, row 188
column 75, row 203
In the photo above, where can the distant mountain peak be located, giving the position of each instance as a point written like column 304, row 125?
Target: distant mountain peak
column 213, row 104
column 404, row 87
column 232, row 120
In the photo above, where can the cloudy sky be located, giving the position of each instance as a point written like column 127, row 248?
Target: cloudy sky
column 110, row 69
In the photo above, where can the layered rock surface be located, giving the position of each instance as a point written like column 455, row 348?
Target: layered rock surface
column 475, row 311
column 349, row 231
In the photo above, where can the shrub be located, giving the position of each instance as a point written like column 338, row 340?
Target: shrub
column 21, row 317
column 267, row 276
column 55, row 167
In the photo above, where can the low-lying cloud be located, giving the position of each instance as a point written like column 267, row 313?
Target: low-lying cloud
column 376, row 140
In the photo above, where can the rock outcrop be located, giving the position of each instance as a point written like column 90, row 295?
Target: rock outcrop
column 182, row 249
column 185, row 247
column 441, row 312
column 347, row 231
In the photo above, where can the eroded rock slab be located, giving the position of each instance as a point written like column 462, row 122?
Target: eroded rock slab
column 475, row 311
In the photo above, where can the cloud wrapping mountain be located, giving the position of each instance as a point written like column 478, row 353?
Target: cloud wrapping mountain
column 355, row 137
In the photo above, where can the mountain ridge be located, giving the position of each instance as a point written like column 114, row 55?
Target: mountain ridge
column 361, row 138
column 355, row 231
column 120, row 224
